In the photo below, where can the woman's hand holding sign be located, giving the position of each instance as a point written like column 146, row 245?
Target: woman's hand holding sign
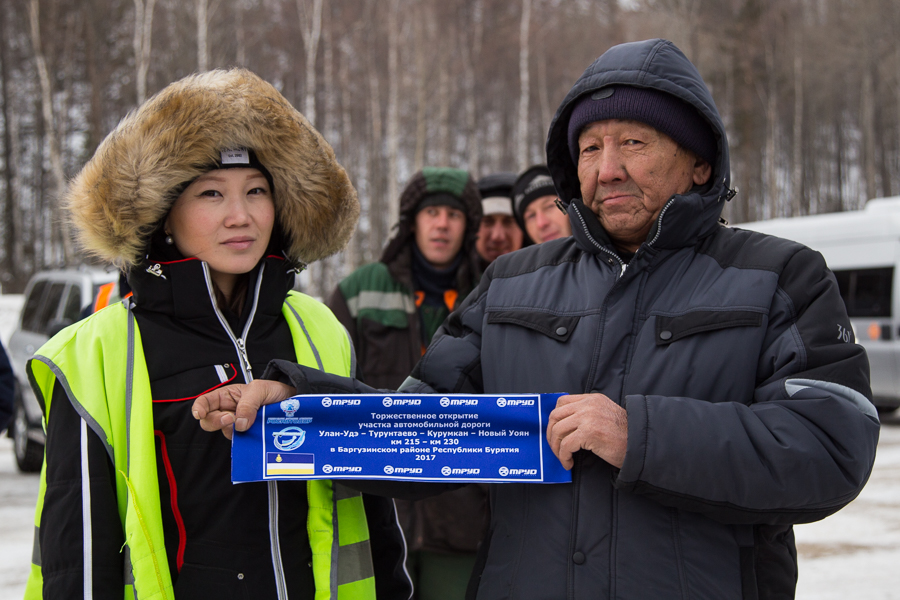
column 237, row 404
column 588, row 422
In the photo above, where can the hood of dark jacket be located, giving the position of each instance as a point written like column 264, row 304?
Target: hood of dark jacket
column 435, row 180
column 656, row 64
column 123, row 193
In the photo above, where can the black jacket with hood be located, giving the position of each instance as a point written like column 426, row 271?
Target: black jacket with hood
column 746, row 412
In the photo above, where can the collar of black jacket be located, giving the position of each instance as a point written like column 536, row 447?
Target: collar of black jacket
column 684, row 220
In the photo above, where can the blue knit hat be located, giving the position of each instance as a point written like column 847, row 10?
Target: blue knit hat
column 666, row 113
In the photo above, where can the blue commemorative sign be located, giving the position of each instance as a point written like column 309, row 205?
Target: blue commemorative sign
column 432, row 437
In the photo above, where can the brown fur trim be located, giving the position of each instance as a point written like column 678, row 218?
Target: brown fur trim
column 125, row 190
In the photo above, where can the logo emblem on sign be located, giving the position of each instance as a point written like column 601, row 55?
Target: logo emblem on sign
column 289, row 438
column 504, row 471
column 326, row 468
column 326, row 402
column 501, row 402
column 290, row 406
column 389, row 469
column 387, row 402
column 445, row 402
column 445, row 471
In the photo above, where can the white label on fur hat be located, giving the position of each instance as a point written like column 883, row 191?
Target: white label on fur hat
column 235, row 156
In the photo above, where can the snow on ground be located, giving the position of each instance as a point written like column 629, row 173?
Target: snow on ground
column 855, row 553
column 17, row 497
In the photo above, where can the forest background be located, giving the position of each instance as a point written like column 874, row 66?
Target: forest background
column 809, row 91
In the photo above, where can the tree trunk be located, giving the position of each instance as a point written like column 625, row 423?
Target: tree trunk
column 524, row 88
column 348, row 158
column 10, row 271
column 771, row 175
column 797, row 204
column 202, row 7
column 471, row 57
column 867, row 125
column 311, row 28
column 56, row 166
column 143, row 35
column 424, row 20
column 393, row 110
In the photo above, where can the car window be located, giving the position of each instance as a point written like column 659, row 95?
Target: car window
column 30, row 322
column 50, row 305
column 72, row 311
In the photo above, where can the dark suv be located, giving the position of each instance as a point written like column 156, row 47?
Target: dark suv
column 53, row 300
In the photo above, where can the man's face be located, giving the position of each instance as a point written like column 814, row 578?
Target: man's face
column 628, row 170
column 544, row 221
column 439, row 232
column 498, row 234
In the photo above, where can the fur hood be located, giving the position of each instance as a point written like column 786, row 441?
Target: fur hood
column 127, row 188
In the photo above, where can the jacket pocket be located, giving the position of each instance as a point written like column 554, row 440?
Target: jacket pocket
column 200, row 581
column 671, row 329
column 556, row 327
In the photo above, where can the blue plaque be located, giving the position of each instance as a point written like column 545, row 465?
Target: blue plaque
column 431, row 437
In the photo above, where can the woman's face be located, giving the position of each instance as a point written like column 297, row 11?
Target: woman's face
column 225, row 218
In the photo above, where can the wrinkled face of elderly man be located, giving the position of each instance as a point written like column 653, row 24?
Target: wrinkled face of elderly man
column 628, row 170
column 634, row 149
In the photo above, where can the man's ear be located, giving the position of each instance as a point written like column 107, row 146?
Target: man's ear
column 702, row 171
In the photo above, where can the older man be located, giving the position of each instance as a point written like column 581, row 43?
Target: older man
column 712, row 404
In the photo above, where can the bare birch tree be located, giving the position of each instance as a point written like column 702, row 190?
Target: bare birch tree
column 311, row 28
column 202, row 7
column 143, row 37
column 393, row 109
column 797, row 204
column 52, row 133
column 524, row 87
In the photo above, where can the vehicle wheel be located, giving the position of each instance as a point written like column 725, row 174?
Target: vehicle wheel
column 29, row 454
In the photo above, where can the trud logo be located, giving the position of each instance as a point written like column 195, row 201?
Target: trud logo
column 388, row 469
column 290, row 406
column 504, row 471
column 387, row 402
column 326, row 402
column 289, row 438
column 445, row 471
column 445, row 402
column 501, row 402
column 327, row 469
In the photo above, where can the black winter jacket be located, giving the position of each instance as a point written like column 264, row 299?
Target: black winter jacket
column 747, row 412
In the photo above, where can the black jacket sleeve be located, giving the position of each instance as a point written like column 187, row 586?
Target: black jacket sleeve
column 80, row 535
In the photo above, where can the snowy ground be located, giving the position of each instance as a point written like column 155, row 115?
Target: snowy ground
column 852, row 554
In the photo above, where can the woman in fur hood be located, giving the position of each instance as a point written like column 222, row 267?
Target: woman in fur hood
column 209, row 196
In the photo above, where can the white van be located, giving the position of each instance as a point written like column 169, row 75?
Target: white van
column 862, row 247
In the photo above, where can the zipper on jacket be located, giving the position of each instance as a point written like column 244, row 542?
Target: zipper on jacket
column 573, row 532
column 659, row 220
column 587, row 232
column 240, row 344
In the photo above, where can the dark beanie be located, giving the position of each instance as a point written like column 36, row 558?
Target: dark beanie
column 534, row 183
column 666, row 113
